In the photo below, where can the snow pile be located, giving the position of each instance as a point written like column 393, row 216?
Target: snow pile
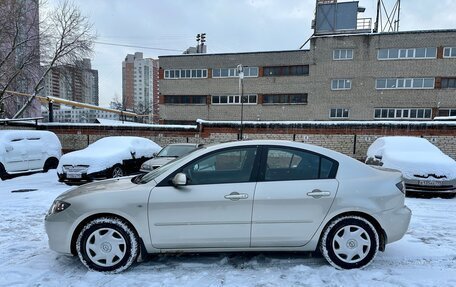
column 108, row 151
column 424, row 257
column 413, row 156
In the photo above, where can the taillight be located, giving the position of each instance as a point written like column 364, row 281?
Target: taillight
column 401, row 186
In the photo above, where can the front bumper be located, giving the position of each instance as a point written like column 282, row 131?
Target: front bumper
column 84, row 177
column 59, row 231
column 430, row 186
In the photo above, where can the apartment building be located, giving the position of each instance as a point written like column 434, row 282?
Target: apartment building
column 76, row 83
column 140, row 85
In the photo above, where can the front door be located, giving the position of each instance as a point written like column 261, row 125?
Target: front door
column 16, row 159
column 294, row 194
column 213, row 210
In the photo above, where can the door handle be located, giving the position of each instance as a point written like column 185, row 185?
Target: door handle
column 316, row 193
column 236, row 196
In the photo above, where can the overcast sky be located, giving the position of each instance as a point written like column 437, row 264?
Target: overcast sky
column 230, row 25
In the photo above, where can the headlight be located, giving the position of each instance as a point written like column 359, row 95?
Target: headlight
column 58, row 206
column 146, row 166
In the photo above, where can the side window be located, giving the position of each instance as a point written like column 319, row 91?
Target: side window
column 294, row 164
column 226, row 166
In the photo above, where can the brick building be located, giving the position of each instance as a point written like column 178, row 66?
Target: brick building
column 359, row 76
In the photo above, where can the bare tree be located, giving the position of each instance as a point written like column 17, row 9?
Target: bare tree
column 116, row 103
column 67, row 37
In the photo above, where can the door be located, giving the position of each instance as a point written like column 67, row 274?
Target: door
column 36, row 152
column 16, row 155
column 213, row 210
column 295, row 192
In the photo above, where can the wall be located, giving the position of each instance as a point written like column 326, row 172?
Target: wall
column 350, row 138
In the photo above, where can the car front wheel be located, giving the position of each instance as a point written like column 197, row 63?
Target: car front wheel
column 350, row 242
column 107, row 245
column 117, row 171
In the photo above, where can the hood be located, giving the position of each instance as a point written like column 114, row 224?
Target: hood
column 97, row 161
column 432, row 165
column 109, row 185
column 160, row 160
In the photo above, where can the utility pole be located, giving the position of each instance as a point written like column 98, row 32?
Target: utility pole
column 240, row 70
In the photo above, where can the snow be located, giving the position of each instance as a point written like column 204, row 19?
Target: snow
column 330, row 123
column 108, row 151
column 413, row 155
column 426, row 256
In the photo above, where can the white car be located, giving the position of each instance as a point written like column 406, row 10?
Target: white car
column 24, row 151
column 425, row 168
column 167, row 154
column 238, row 196
column 108, row 157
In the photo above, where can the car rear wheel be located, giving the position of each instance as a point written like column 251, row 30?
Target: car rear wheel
column 107, row 245
column 51, row 163
column 350, row 242
column 117, row 171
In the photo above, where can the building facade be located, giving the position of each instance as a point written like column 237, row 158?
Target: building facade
column 140, row 85
column 80, row 115
column 76, row 83
column 360, row 76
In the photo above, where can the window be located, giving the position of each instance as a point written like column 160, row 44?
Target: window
column 341, row 84
column 234, row 99
column 185, row 100
column 339, row 113
column 410, row 53
column 232, row 72
column 185, row 73
column 288, row 99
column 343, row 54
column 401, row 113
column 447, row 113
column 293, row 164
column 226, row 166
column 449, row 52
column 401, row 83
column 302, row 70
column 448, row 83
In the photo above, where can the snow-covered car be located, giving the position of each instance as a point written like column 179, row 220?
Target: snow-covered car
column 425, row 168
column 167, row 154
column 238, row 196
column 108, row 157
column 25, row 151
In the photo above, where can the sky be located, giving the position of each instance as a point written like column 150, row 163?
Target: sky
column 170, row 27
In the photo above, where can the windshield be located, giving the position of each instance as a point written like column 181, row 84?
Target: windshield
column 164, row 168
column 176, row 150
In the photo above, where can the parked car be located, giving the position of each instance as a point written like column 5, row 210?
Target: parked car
column 425, row 168
column 167, row 154
column 25, row 151
column 238, row 196
column 108, row 157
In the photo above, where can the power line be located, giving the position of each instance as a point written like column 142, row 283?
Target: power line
column 134, row 46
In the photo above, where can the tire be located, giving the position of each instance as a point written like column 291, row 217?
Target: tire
column 51, row 163
column 349, row 242
column 107, row 245
column 3, row 174
column 117, row 171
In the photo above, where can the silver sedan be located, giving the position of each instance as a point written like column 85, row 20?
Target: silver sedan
column 238, row 196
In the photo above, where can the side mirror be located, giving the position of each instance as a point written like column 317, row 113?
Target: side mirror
column 8, row 148
column 377, row 156
column 180, row 179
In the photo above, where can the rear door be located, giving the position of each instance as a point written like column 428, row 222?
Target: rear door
column 294, row 194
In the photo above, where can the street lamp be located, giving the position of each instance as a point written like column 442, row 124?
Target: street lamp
column 240, row 70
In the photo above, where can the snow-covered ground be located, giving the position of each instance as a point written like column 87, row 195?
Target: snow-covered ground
column 426, row 256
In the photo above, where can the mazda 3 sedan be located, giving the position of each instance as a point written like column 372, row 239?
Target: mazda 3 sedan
column 238, row 196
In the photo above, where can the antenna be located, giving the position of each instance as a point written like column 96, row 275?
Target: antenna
column 391, row 16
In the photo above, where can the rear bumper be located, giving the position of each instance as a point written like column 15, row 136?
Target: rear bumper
column 395, row 222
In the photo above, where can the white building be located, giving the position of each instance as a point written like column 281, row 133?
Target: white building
column 79, row 115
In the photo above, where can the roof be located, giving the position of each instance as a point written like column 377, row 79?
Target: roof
column 235, row 53
column 385, row 33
